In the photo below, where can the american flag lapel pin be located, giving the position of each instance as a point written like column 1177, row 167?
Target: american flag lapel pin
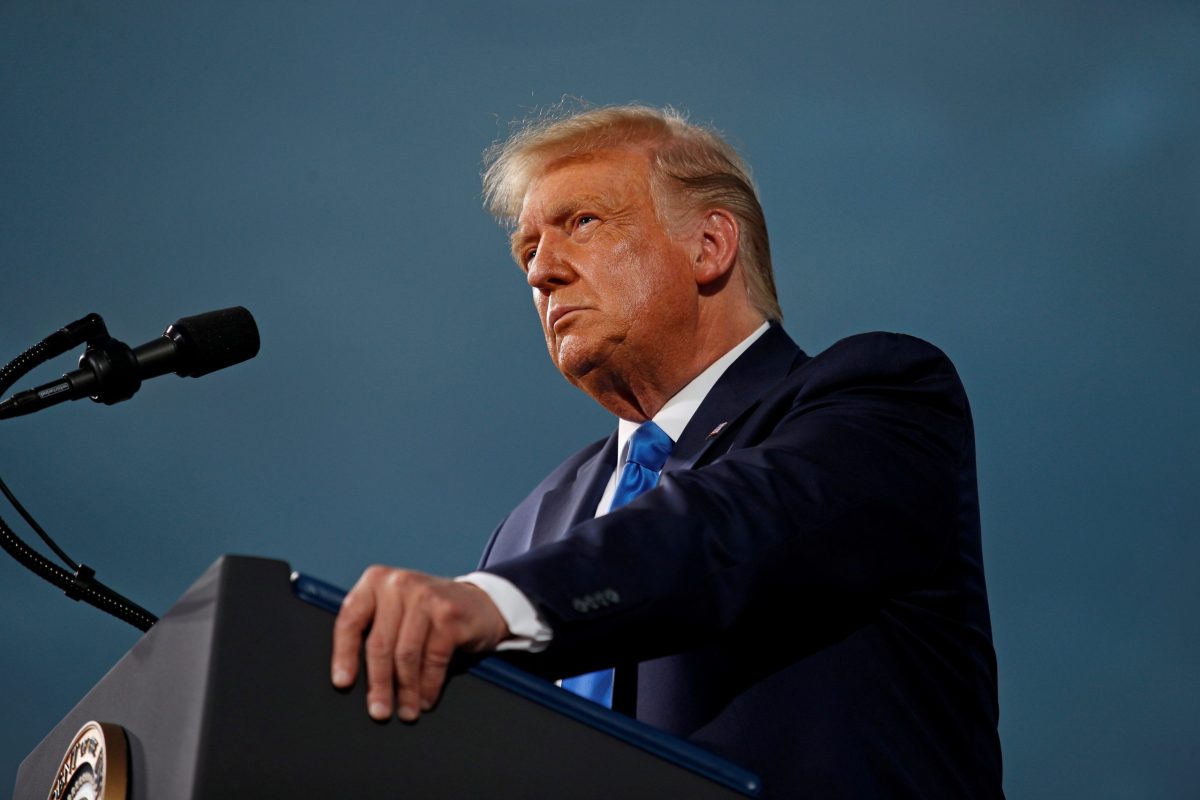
column 717, row 430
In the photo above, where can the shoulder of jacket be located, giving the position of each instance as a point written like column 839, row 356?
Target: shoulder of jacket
column 877, row 359
column 886, row 353
column 883, row 343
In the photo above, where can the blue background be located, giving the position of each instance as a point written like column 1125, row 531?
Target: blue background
column 1019, row 183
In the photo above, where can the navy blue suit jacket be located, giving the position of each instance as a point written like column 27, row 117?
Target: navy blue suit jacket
column 803, row 592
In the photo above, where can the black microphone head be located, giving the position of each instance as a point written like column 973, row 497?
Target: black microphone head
column 212, row 341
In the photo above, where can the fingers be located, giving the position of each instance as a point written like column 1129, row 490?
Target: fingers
column 378, row 653
column 429, row 635
column 439, row 648
column 358, row 608
column 415, row 622
column 409, row 659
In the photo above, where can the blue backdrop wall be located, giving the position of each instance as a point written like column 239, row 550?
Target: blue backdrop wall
column 1019, row 185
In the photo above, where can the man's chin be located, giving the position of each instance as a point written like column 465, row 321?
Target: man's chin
column 576, row 359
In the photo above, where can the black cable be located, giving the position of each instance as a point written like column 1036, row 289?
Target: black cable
column 12, row 372
column 25, row 515
column 80, row 583
column 78, row 586
column 81, row 330
column 53, row 345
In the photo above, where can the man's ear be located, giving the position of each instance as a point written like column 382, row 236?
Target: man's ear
column 718, row 246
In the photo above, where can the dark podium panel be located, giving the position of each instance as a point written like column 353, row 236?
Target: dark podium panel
column 228, row 696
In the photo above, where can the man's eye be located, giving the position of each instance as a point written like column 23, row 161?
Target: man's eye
column 527, row 259
column 584, row 219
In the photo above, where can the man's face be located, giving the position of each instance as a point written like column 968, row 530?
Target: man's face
column 614, row 291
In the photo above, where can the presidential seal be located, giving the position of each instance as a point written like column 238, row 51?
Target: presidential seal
column 94, row 767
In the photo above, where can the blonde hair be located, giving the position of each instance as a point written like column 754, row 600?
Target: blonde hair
column 690, row 164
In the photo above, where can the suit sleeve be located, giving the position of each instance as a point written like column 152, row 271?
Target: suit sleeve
column 839, row 489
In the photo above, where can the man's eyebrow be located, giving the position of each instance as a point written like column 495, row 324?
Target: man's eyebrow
column 557, row 215
column 518, row 241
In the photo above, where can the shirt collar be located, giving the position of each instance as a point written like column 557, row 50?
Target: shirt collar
column 677, row 412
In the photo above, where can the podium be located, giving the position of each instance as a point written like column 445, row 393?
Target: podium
column 228, row 696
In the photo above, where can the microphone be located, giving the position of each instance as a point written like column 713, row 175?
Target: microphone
column 110, row 371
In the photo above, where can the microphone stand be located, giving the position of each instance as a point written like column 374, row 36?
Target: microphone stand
column 80, row 583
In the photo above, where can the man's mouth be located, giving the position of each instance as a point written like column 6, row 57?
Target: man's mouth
column 558, row 312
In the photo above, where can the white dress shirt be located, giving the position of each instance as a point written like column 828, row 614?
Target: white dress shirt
column 526, row 628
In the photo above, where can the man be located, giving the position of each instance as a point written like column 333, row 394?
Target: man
column 799, row 586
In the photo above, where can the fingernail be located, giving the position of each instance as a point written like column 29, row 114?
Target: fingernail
column 378, row 710
column 408, row 713
column 341, row 677
column 426, row 705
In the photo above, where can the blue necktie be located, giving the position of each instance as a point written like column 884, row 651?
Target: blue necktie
column 649, row 448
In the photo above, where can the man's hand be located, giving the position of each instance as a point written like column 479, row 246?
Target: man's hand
column 416, row 623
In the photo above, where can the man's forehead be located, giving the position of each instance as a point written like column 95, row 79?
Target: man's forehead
column 584, row 177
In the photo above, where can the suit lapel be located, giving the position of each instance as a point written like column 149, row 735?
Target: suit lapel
column 747, row 380
column 574, row 501
column 756, row 372
column 768, row 361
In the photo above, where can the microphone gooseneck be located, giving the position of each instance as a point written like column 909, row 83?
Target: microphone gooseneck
column 110, row 371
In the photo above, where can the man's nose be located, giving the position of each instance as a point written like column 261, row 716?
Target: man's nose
column 549, row 268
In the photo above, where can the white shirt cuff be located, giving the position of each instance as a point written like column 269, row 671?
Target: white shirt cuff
column 527, row 630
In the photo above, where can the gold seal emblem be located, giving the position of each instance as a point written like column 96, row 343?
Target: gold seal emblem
column 94, row 767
